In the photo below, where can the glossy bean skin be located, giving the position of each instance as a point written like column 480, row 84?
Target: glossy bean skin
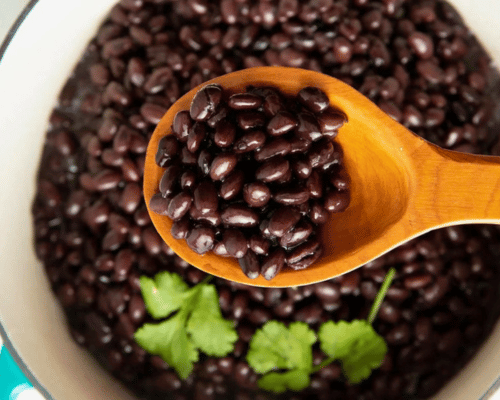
column 249, row 142
column 222, row 166
column 276, row 147
column 244, row 101
column 235, row 243
column 179, row 205
column 281, row 123
column 273, row 264
column 256, row 194
column 201, row 239
column 283, row 220
column 205, row 198
column 297, row 235
column 273, row 170
column 239, row 216
column 232, row 185
column 225, row 133
column 250, row 266
column 314, row 99
column 205, row 102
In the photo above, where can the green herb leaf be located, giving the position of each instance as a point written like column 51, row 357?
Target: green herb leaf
column 164, row 294
column 275, row 346
column 211, row 333
column 197, row 324
column 296, row 380
column 356, row 344
column 169, row 340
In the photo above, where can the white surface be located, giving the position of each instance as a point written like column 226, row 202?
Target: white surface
column 32, row 73
column 9, row 11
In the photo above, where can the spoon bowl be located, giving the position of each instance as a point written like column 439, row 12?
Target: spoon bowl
column 401, row 185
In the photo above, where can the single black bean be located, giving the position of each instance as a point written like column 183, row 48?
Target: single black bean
column 181, row 125
column 283, row 122
column 224, row 134
column 179, row 205
column 188, row 180
column 232, row 185
column 320, row 152
column 235, row 243
column 292, row 196
column 249, row 264
column 337, row 201
column 259, row 245
column 308, row 128
column 222, row 166
column 318, row 213
column 304, row 250
column 314, row 99
column 273, row 264
column 201, row 239
column 283, row 220
column 273, row 169
column 196, row 135
column 301, row 167
column 273, row 148
column 249, row 142
column 180, row 228
column 247, row 120
column 298, row 235
column 244, row 101
column 205, row 102
column 239, row 216
column 205, row 198
column 256, row 194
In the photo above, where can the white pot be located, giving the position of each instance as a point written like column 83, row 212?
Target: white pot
column 33, row 69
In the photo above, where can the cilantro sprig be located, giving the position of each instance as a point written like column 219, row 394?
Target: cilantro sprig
column 197, row 324
column 284, row 355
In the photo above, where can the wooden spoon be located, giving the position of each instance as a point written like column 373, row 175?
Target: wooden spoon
column 402, row 186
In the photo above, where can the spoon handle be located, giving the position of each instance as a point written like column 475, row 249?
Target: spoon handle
column 456, row 188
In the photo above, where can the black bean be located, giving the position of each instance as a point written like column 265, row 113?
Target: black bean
column 249, row 142
column 247, row 120
column 276, row 147
column 244, row 101
column 283, row 220
column 273, row 264
column 232, row 185
column 337, row 201
column 205, row 198
column 205, row 102
column 239, row 216
column 308, row 128
column 292, row 197
column 281, row 123
column 256, row 194
column 297, row 235
column 235, row 243
column 225, row 133
column 273, row 169
column 314, row 99
column 196, row 135
column 201, row 239
column 179, row 205
column 259, row 245
column 222, row 166
column 250, row 265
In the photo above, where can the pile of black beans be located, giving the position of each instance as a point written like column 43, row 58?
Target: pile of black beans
column 251, row 176
column 414, row 58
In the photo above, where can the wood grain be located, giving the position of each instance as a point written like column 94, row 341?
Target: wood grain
column 402, row 186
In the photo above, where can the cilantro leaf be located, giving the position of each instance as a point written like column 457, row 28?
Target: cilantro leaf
column 164, row 294
column 275, row 346
column 355, row 344
column 195, row 322
column 210, row 332
column 169, row 340
column 296, row 380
